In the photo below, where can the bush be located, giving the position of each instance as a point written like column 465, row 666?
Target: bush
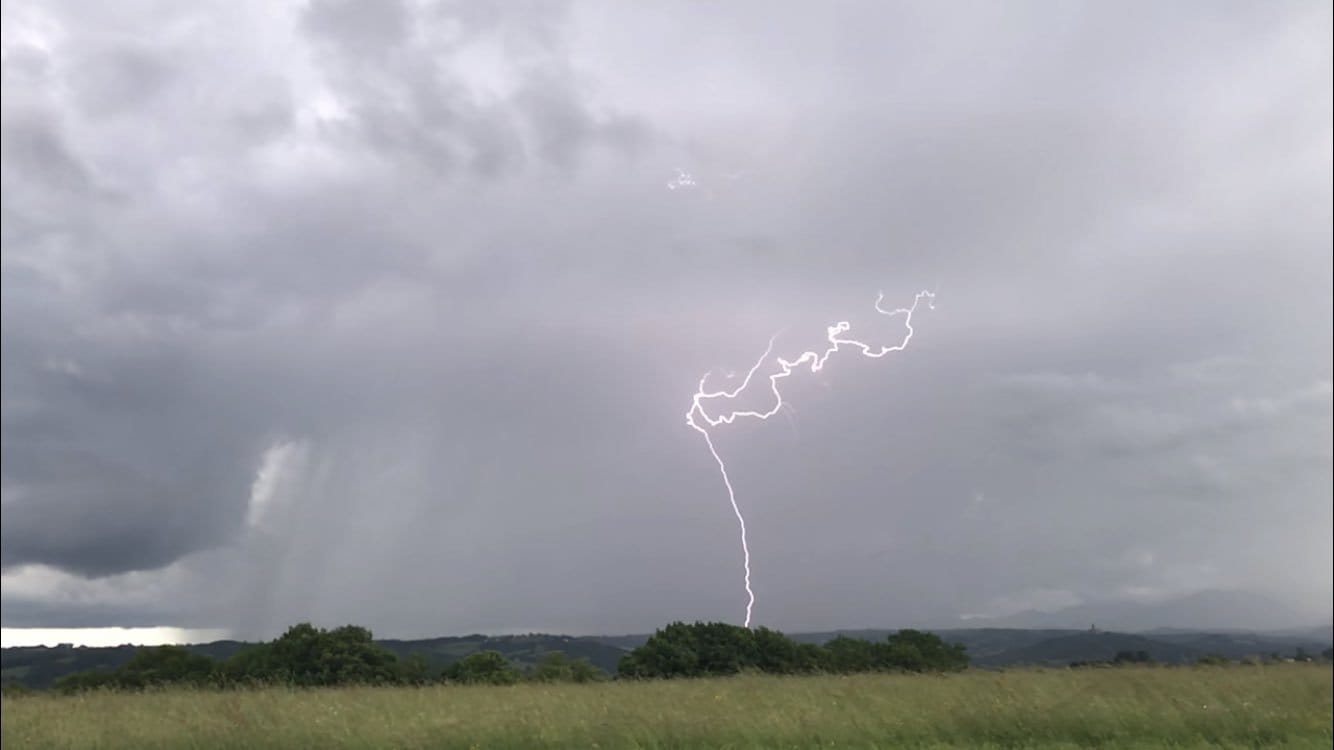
column 483, row 667
column 1132, row 657
column 557, row 667
column 166, row 665
column 14, row 689
column 84, row 681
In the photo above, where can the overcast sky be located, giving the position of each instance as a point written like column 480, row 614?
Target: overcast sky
column 387, row 312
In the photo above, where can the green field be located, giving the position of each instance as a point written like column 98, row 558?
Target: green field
column 1240, row 706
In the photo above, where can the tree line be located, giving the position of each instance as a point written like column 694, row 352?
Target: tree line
column 307, row 656
column 715, row 649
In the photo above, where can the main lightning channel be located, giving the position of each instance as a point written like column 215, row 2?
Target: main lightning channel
column 816, row 362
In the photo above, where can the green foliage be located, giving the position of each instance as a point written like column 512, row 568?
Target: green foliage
column 14, row 689
column 557, row 667
column 40, row 667
column 775, row 653
column 84, row 681
column 414, row 670
column 1139, row 658
column 681, row 650
column 1132, row 657
column 306, row 655
column 919, row 651
column 165, row 665
column 1213, row 660
column 149, row 667
column 483, row 667
column 582, row 671
column 714, row 649
column 844, row 655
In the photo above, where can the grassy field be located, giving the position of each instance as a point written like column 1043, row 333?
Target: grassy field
column 1283, row 705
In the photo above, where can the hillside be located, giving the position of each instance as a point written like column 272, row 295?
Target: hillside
column 523, row 650
column 1089, row 646
column 1200, row 611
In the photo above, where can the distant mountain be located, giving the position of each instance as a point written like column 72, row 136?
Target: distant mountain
column 981, row 642
column 1206, row 610
column 1091, row 646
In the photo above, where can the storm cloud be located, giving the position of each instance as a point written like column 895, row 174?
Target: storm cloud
column 383, row 313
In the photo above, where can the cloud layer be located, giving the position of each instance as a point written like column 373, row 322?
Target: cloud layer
column 383, row 312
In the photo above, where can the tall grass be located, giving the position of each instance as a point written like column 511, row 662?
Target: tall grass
column 1287, row 705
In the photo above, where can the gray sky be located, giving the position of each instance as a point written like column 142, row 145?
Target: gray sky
column 383, row 312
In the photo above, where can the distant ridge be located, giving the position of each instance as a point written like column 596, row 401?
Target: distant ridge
column 1205, row 610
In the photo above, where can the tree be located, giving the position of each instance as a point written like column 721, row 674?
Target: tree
column 554, row 667
column 810, row 658
column 83, row 681
column 918, row 651
column 701, row 649
column 163, row 665
column 557, row 667
column 1132, row 657
column 489, row 667
column 670, row 652
column 149, row 667
column 696, row 650
column 414, row 670
column 847, row 655
column 775, row 653
column 582, row 670
column 307, row 655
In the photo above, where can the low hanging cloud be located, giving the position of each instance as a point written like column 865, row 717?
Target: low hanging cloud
column 383, row 312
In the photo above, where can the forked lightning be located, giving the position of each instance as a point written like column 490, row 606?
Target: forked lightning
column 698, row 417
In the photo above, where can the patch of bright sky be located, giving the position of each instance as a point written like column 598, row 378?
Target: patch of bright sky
column 156, row 636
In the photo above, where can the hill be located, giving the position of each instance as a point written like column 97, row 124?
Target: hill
column 524, row 650
column 1091, row 646
column 1203, row 610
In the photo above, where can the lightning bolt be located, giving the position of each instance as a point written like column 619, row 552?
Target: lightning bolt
column 698, row 416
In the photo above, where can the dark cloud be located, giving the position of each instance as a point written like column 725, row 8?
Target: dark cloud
column 359, row 27
column 118, row 79
column 384, row 312
column 408, row 86
column 35, row 149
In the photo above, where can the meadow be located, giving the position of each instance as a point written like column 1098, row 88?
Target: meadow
column 1286, row 705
